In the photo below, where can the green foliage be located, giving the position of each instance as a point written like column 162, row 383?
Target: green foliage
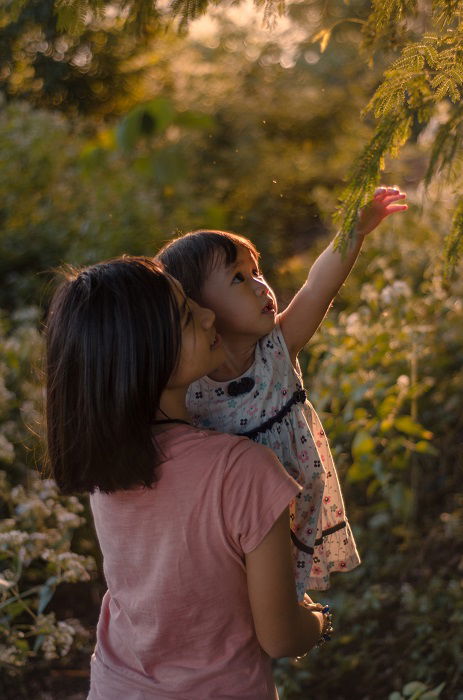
column 36, row 524
column 445, row 156
column 415, row 690
column 232, row 142
column 392, row 132
column 385, row 372
column 94, row 70
column 188, row 10
column 454, row 241
column 73, row 16
column 428, row 73
column 76, row 201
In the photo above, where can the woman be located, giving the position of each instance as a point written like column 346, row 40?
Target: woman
column 193, row 525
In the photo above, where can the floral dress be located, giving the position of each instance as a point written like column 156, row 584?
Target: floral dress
column 269, row 405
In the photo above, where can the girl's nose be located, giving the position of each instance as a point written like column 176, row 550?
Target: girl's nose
column 259, row 288
column 207, row 317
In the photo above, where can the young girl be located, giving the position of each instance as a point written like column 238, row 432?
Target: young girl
column 193, row 525
column 258, row 390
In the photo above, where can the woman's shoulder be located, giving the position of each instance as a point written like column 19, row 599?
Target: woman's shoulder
column 219, row 448
column 209, row 444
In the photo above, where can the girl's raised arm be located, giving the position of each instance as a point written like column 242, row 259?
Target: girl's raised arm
column 301, row 318
column 283, row 627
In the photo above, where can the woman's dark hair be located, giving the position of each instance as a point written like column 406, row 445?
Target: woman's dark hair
column 113, row 337
column 191, row 257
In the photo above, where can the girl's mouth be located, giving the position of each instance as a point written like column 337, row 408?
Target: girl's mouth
column 269, row 307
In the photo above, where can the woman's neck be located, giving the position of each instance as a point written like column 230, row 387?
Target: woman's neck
column 172, row 405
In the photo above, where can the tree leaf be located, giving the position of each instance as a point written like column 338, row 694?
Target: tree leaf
column 407, row 425
column 414, row 687
column 362, row 444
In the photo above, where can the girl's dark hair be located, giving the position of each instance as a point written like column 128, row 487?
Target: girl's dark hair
column 191, row 257
column 113, row 337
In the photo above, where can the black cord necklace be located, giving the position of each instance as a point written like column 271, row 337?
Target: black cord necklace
column 163, row 421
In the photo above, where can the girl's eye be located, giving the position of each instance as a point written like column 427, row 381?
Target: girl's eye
column 238, row 278
column 189, row 318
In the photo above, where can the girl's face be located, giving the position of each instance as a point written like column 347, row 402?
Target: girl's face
column 201, row 351
column 243, row 302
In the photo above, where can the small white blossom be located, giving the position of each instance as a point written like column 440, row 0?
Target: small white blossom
column 6, row 449
column 11, row 656
column 394, row 292
column 13, row 538
column 368, row 292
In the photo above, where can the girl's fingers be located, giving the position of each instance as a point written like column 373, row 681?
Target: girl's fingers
column 382, row 192
column 396, row 207
column 393, row 198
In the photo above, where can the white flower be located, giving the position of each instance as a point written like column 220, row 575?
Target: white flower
column 6, row 449
column 403, row 381
column 395, row 291
column 368, row 292
column 11, row 656
column 13, row 538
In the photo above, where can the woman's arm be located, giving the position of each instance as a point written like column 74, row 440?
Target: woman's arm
column 283, row 627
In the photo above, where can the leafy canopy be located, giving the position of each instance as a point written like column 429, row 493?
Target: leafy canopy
column 421, row 88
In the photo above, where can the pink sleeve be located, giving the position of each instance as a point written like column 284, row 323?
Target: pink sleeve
column 256, row 490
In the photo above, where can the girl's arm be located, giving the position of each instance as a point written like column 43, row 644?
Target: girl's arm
column 301, row 318
column 283, row 627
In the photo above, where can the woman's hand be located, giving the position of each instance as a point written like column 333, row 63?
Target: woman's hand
column 383, row 204
column 283, row 627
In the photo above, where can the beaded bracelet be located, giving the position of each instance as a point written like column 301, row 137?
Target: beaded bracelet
column 328, row 628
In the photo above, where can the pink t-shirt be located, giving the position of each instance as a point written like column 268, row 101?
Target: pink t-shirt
column 176, row 620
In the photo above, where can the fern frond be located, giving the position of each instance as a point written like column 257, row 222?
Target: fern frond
column 446, row 12
column 395, row 91
column 391, row 133
column 387, row 20
column 188, row 10
column 73, row 15
column 447, row 145
column 430, row 70
column 384, row 12
column 447, row 85
column 453, row 247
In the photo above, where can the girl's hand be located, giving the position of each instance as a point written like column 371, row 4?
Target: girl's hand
column 382, row 205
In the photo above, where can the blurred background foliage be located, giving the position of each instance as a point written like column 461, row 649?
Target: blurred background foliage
column 77, row 44
column 112, row 142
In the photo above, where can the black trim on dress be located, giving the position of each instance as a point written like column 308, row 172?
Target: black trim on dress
column 329, row 531
column 299, row 396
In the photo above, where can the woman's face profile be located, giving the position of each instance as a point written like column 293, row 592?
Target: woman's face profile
column 201, row 347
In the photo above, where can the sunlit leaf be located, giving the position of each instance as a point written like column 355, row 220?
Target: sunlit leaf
column 323, row 36
column 414, row 687
column 407, row 425
column 362, row 444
